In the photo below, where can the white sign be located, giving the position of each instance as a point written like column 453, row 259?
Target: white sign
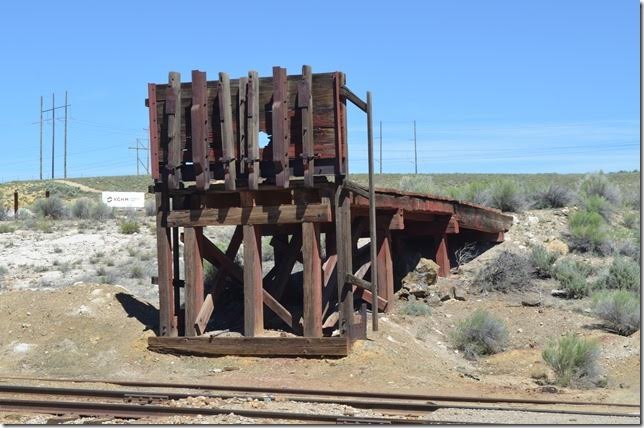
column 124, row 199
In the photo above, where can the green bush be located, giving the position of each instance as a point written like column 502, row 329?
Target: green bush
column 82, row 208
column 598, row 204
column 505, row 195
column 542, row 261
column 7, row 228
column 620, row 311
column 622, row 274
column 52, row 207
column 417, row 184
column 475, row 191
column 573, row 359
column 507, row 272
column 480, row 334
column 572, row 277
column 129, row 227
column 101, row 211
column 631, row 220
column 415, row 308
column 554, row 196
column 587, row 231
column 599, row 185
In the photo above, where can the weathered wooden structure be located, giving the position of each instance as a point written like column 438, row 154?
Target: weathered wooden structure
column 210, row 170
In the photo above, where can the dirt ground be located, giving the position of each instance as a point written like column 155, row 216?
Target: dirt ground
column 66, row 323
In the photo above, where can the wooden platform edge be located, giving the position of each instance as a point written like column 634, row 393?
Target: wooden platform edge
column 252, row 346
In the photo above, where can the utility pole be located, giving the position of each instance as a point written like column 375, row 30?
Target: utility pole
column 53, row 132
column 65, row 157
column 415, row 151
column 41, row 101
column 381, row 147
column 138, row 147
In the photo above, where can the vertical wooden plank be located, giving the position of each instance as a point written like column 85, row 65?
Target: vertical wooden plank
column 385, row 265
column 305, row 103
column 442, row 259
column 154, row 132
column 344, row 263
column 340, row 152
column 281, row 127
column 199, row 125
column 253, row 299
column 173, row 111
column 167, row 316
column 241, row 122
column 372, row 218
column 193, row 286
column 312, row 279
column 226, row 117
column 252, row 134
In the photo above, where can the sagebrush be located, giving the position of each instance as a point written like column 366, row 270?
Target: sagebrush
column 542, row 260
column 620, row 311
column 508, row 271
column 622, row 274
column 572, row 276
column 573, row 359
column 480, row 334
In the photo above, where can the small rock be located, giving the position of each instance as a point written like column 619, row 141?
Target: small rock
column 458, row 293
column 549, row 389
column 559, row 293
column 230, row 368
column 434, row 300
column 531, row 301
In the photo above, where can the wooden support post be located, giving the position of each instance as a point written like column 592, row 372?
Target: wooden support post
column 174, row 147
column 312, row 280
column 154, row 132
column 199, row 125
column 193, row 263
column 372, row 218
column 442, row 259
column 226, row 118
column 252, row 134
column 167, row 315
column 344, row 262
column 305, row 103
column 385, row 266
column 15, row 204
column 281, row 127
column 241, row 122
column 253, row 301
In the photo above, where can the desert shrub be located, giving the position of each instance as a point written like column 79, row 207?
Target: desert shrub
column 100, row 211
column 475, row 191
column 572, row 277
column 23, row 214
column 480, row 334
column 150, row 208
column 631, row 197
column 82, row 208
column 129, row 227
column 554, row 196
column 415, row 308
column 622, row 274
column 41, row 224
column 598, row 204
column 4, row 214
column 52, row 207
column 417, row 184
column 587, row 231
column 136, row 272
column 508, row 271
column 505, row 195
column 631, row 220
column 620, row 311
column 466, row 253
column 628, row 248
column 599, row 185
column 573, row 359
column 542, row 261
column 7, row 228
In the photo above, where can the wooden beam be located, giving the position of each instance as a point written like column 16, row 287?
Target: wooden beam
column 174, row 147
column 221, row 260
column 250, row 215
column 199, row 124
column 278, row 309
column 252, row 136
column 344, row 263
column 242, row 115
column 253, row 300
column 193, row 264
column 281, row 127
column 484, row 220
column 385, row 265
column 226, row 118
column 167, row 315
column 358, row 282
column 204, row 315
column 154, row 132
column 305, row 103
column 258, row 346
column 312, row 282
column 383, row 304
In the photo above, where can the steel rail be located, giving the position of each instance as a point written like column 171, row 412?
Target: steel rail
column 81, row 408
column 317, row 392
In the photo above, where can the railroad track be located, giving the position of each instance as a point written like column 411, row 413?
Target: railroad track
column 413, row 407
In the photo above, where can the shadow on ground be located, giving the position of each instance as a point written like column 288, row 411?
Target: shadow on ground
column 144, row 312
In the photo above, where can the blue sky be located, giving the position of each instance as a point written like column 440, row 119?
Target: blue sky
column 495, row 86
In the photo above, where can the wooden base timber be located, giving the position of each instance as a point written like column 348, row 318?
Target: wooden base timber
column 255, row 346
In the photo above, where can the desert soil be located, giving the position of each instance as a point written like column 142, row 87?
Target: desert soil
column 64, row 322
